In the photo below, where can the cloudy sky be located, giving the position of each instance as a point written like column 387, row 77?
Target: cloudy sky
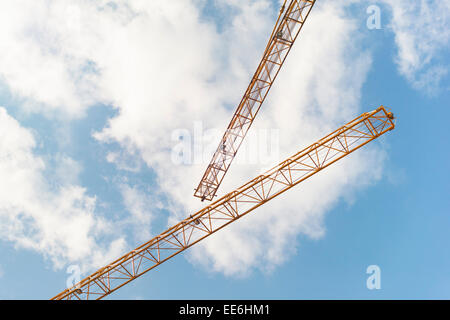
column 98, row 99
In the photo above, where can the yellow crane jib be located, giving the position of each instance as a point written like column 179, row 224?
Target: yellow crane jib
column 287, row 27
column 233, row 206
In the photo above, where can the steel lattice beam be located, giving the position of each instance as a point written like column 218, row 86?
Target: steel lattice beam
column 284, row 34
column 233, row 206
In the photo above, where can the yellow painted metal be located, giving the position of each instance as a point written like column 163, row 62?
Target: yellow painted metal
column 233, row 206
column 289, row 23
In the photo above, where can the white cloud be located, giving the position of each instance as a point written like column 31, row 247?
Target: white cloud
column 142, row 208
column 59, row 221
column 125, row 160
column 422, row 37
column 318, row 90
column 63, row 170
column 186, row 80
column 163, row 68
column 32, row 63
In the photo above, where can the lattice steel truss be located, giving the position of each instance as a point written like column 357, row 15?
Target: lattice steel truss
column 288, row 26
column 233, row 206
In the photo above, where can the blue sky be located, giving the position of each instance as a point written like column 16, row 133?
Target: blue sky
column 91, row 147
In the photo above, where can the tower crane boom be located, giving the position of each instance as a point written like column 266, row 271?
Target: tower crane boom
column 233, row 206
column 289, row 23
